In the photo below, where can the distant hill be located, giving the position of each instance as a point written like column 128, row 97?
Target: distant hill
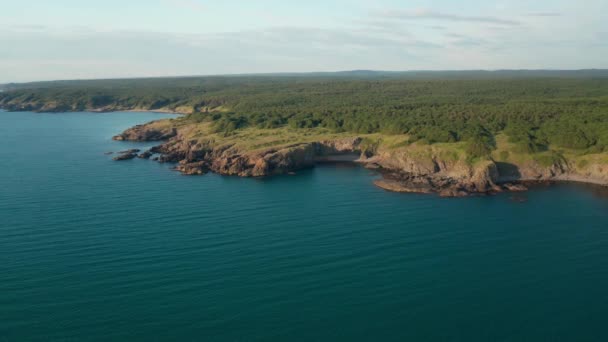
column 467, row 74
column 350, row 74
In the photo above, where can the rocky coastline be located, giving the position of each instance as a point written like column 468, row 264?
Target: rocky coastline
column 401, row 170
column 56, row 107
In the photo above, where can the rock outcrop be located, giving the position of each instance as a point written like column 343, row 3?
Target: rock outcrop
column 434, row 175
column 126, row 155
column 198, row 158
column 148, row 132
column 426, row 170
column 145, row 155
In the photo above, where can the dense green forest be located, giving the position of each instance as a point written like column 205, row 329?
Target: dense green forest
column 563, row 110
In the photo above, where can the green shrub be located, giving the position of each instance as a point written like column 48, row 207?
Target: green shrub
column 549, row 159
column 504, row 155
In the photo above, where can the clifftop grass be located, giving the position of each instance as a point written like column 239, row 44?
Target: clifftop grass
column 560, row 109
column 249, row 139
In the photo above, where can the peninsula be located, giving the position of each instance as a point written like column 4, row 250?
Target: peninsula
column 451, row 133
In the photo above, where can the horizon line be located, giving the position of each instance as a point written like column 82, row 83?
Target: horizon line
column 289, row 73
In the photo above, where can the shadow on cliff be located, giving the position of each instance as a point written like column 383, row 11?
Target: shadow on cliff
column 508, row 172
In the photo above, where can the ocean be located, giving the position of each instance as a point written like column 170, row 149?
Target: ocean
column 96, row 250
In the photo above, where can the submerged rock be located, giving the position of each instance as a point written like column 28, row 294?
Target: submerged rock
column 519, row 199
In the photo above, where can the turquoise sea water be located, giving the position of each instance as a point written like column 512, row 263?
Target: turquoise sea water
column 92, row 249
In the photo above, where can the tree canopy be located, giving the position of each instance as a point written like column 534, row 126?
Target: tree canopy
column 569, row 112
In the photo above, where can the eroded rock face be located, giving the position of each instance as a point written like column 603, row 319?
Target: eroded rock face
column 260, row 163
column 484, row 177
column 403, row 172
column 429, row 172
column 595, row 173
column 337, row 147
column 456, row 181
column 533, row 170
column 197, row 158
column 194, row 168
column 426, row 171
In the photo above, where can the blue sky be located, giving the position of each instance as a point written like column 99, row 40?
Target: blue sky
column 69, row 39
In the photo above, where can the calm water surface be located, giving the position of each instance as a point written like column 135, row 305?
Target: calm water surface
column 92, row 249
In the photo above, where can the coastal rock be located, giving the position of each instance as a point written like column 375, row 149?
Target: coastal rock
column 147, row 132
column 133, row 150
column 195, row 168
column 403, row 186
column 420, row 169
column 403, row 171
column 453, row 192
column 431, row 172
column 514, row 187
column 145, row 155
column 339, row 147
column 125, row 156
column 484, row 178
column 260, row 168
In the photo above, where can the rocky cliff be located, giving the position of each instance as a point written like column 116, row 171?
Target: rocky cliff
column 434, row 173
column 196, row 157
column 153, row 131
column 426, row 169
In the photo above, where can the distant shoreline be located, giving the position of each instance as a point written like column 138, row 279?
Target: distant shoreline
column 100, row 110
column 160, row 111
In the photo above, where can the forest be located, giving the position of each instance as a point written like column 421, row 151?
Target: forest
column 534, row 110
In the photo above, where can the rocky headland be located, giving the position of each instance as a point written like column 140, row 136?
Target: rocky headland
column 414, row 169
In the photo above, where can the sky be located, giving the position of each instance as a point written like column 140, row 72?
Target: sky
column 81, row 39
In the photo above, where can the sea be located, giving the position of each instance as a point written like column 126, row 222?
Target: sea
column 97, row 250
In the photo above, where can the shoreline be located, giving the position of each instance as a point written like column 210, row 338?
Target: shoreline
column 386, row 180
column 513, row 186
column 524, row 181
column 401, row 171
column 445, row 186
column 160, row 111
column 100, row 111
column 557, row 179
column 410, row 177
column 506, row 186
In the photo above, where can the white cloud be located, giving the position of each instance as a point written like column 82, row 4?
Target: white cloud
column 428, row 14
column 399, row 39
